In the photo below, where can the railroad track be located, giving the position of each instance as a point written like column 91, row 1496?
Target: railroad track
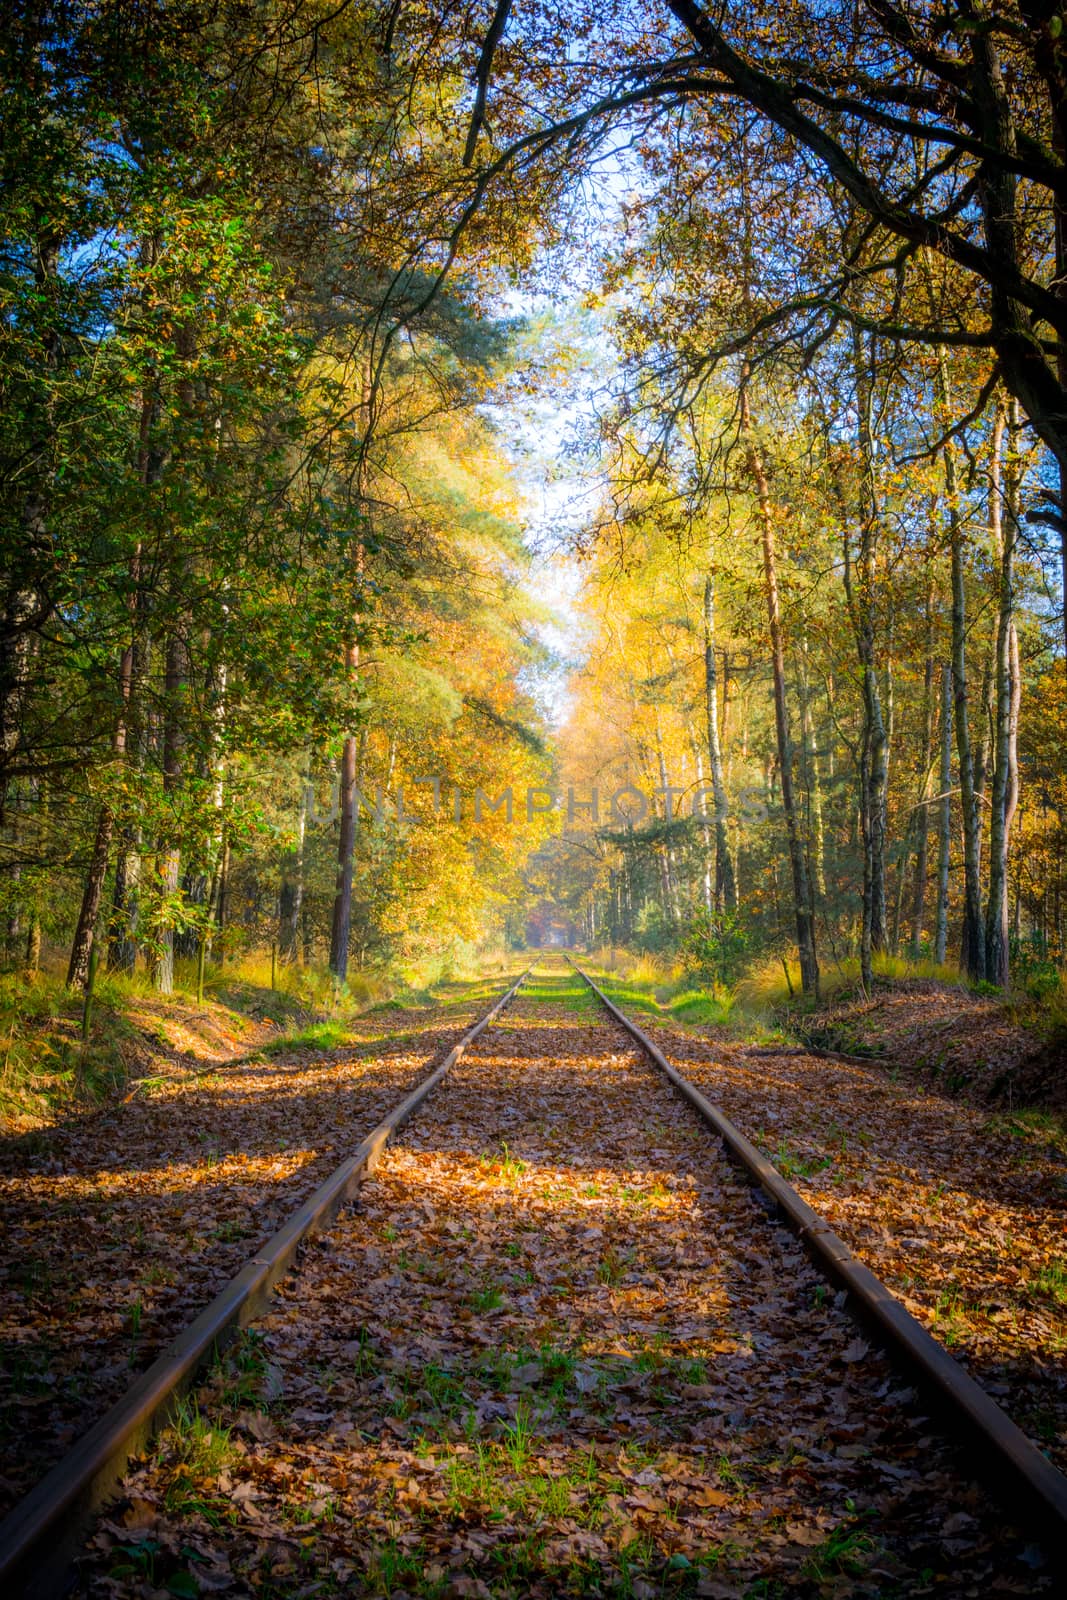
column 559, row 1260
column 40, row 1536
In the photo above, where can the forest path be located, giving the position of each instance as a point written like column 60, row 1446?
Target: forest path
column 556, row 1347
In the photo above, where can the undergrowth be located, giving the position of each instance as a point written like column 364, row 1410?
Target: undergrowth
column 767, row 1003
column 48, row 1069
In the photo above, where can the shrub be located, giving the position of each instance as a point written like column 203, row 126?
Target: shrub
column 715, row 945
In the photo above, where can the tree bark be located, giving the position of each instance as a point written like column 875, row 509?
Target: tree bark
column 92, row 894
column 944, row 848
column 125, row 904
column 291, row 897
column 341, row 924
column 1004, row 529
column 809, row 965
column 922, row 849
column 860, row 591
column 725, row 881
column 341, row 921
column 972, row 952
column 812, row 778
column 169, row 862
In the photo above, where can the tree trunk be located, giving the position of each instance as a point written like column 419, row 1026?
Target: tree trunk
column 125, row 905
column 1005, row 534
column 725, row 882
column 291, row 897
column 812, row 778
column 944, row 849
column 809, row 966
column 88, row 916
column 85, row 933
column 972, row 954
column 341, row 925
column 222, row 898
column 860, row 591
column 923, row 814
column 33, row 944
column 169, row 862
column 26, row 607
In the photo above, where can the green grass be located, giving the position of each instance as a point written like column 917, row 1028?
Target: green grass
column 698, row 1007
column 794, row 1164
column 391, row 1568
column 666, row 998
column 328, row 1035
column 566, row 990
column 765, row 989
column 846, row 1551
column 508, row 1168
column 614, row 1265
column 1045, row 1130
column 47, row 1069
column 197, row 1451
column 1051, row 1282
column 45, row 1065
column 242, row 1369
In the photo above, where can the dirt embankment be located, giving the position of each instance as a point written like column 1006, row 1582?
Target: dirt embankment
column 981, row 1046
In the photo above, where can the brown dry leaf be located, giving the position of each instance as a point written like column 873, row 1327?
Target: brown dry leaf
column 803, row 1533
column 469, row 1589
column 140, row 1516
column 258, row 1424
column 707, row 1497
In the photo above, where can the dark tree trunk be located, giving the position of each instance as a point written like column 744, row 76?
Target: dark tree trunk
column 1006, row 691
column 944, row 832
column 922, row 849
column 809, row 965
column 725, row 884
column 341, row 926
column 169, row 859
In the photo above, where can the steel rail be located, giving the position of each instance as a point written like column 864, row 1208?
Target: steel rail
column 41, row 1535
column 1015, row 1466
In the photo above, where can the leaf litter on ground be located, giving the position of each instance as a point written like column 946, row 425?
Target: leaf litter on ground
column 119, row 1226
column 961, row 1210
column 556, row 1347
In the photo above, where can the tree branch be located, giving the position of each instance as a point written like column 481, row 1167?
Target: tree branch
column 482, row 74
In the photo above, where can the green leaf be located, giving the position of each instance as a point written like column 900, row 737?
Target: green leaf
column 184, row 1585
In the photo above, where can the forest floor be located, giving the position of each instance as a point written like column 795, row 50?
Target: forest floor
column 121, row 1219
column 1004, row 1051
column 960, row 1207
column 556, row 1346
